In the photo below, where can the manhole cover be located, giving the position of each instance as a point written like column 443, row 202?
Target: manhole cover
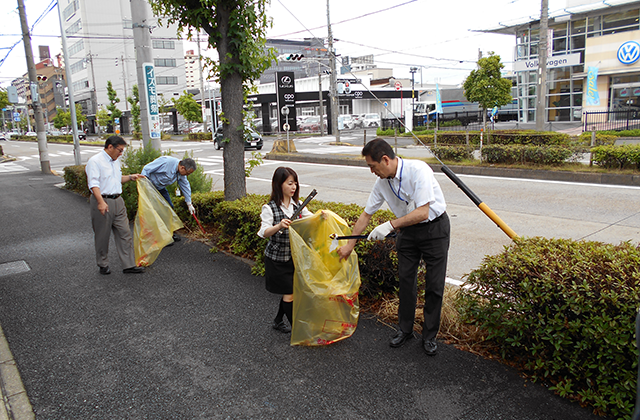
column 14, row 267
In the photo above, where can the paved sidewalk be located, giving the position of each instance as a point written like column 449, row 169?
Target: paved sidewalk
column 191, row 338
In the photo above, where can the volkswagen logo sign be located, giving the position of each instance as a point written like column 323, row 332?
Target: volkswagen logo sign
column 629, row 52
column 286, row 80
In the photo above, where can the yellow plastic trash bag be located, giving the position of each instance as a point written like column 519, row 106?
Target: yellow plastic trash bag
column 325, row 289
column 154, row 224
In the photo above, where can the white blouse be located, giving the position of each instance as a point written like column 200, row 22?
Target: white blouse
column 267, row 216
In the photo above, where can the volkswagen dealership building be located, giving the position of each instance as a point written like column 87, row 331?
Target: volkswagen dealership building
column 593, row 59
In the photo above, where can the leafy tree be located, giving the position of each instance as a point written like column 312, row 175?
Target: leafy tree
column 62, row 118
column 103, row 118
column 4, row 99
column 113, row 101
column 237, row 29
column 189, row 108
column 486, row 85
column 135, row 109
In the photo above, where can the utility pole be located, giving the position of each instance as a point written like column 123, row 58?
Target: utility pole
column 202, row 100
column 45, row 164
column 124, row 82
column 142, row 45
column 320, row 102
column 72, row 103
column 333, row 94
column 541, row 101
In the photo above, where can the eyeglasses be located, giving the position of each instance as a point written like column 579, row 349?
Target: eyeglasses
column 120, row 149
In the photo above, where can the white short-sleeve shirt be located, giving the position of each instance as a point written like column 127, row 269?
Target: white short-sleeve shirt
column 267, row 216
column 104, row 173
column 413, row 186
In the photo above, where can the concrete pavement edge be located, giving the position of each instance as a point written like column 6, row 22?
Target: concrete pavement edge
column 15, row 402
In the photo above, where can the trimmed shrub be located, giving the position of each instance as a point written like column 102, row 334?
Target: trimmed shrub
column 565, row 310
column 518, row 154
column 453, row 153
column 528, row 137
column 200, row 136
column 75, row 179
column 601, row 139
column 617, row 157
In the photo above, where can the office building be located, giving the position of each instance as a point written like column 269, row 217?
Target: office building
column 586, row 39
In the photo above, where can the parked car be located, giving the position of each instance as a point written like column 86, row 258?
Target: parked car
column 312, row 123
column 347, row 122
column 371, row 120
column 31, row 134
column 251, row 139
column 357, row 120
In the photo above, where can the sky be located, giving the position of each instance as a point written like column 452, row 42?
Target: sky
column 440, row 38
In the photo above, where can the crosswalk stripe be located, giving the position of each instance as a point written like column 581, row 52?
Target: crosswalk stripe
column 10, row 167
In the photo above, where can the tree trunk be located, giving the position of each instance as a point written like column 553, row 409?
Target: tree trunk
column 231, row 89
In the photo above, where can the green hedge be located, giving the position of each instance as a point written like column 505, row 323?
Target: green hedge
column 626, row 156
column 238, row 223
column 565, row 310
column 453, row 153
column 75, row 179
column 536, row 155
column 200, row 136
column 498, row 137
column 601, row 139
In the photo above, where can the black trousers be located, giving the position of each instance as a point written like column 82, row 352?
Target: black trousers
column 428, row 241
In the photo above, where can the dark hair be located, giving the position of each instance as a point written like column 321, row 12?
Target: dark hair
column 188, row 163
column 114, row 141
column 279, row 177
column 377, row 148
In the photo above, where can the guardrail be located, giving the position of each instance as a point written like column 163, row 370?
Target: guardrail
column 612, row 120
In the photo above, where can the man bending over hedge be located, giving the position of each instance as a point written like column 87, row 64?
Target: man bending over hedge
column 166, row 170
column 413, row 194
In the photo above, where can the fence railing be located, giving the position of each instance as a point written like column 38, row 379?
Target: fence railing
column 614, row 120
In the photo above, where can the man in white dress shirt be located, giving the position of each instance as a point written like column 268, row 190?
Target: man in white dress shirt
column 414, row 195
column 108, row 211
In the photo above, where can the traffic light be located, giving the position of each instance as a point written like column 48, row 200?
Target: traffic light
column 291, row 57
column 41, row 78
column 116, row 61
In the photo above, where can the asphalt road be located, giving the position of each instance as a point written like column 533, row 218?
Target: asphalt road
column 191, row 338
column 605, row 213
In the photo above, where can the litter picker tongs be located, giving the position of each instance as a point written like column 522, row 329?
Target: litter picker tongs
column 303, row 205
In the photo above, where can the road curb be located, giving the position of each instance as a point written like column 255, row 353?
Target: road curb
column 562, row 176
column 15, row 402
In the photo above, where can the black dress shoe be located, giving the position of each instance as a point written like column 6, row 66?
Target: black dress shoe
column 281, row 326
column 105, row 270
column 430, row 347
column 399, row 339
column 133, row 270
column 176, row 238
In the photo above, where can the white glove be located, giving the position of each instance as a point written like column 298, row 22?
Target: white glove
column 380, row 232
column 192, row 209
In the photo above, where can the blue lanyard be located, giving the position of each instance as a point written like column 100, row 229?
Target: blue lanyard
column 397, row 194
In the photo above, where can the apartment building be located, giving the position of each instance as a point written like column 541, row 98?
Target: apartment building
column 100, row 44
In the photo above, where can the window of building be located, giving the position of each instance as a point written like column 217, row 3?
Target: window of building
column 81, row 84
column 620, row 22
column 76, row 67
column 74, row 28
column 167, row 80
column 164, row 62
column 127, row 23
column 71, row 9
column 77, row 47
column 159, row 44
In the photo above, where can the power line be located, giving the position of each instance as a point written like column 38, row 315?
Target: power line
column 337, row 23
